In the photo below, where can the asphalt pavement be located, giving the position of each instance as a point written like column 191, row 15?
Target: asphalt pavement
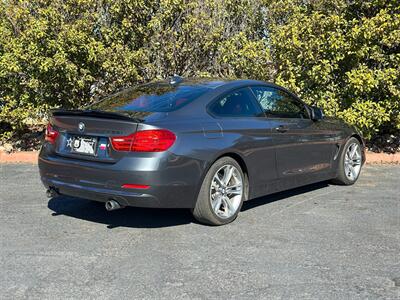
column 317, row 242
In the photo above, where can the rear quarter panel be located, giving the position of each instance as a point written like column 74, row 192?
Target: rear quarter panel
column 201, row 141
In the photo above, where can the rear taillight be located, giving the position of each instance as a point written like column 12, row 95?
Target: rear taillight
column 51, row 134
column 156, row 140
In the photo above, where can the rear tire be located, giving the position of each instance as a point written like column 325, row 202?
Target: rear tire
column 350, row 163
column 221, row 194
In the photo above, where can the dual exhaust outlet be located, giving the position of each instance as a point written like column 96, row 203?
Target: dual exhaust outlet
column 110, row 204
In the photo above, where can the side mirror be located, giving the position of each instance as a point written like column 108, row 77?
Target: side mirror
column 316, row 113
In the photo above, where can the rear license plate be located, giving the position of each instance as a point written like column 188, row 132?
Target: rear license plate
column 83, row 145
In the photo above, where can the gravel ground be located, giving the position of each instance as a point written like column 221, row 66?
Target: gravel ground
column 317, row 242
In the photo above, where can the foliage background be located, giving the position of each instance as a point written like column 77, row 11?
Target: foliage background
column 341, row 55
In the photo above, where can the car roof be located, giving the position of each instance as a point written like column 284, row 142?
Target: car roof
column 226, row 84
column 219, row 82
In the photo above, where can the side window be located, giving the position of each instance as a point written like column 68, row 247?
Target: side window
column 238, row 103
column 279, row 104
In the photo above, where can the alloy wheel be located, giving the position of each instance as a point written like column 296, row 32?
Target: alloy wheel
column 226, row 191
column 352, row 161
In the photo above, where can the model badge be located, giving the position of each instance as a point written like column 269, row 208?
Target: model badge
column 81, row 127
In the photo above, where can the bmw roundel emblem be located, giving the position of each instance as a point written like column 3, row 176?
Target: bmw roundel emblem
column 81, row 126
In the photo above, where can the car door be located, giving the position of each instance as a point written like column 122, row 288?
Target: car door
column 245, row 131
column 303, row 147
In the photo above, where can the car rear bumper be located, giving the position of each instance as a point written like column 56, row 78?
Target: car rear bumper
column 103, row 182
column 103, row 195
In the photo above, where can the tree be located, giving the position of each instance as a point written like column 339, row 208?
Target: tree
column 343, row 56
column 56, row 53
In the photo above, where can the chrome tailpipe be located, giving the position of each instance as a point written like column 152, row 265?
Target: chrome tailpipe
column 113, row 205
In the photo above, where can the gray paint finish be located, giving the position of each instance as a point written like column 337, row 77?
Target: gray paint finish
column 273, row 159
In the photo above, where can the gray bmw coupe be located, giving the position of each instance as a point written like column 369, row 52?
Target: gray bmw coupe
column 207, row 145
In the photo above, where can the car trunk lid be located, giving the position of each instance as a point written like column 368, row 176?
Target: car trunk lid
column 85, row 134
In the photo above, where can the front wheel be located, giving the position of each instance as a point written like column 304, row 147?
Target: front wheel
column 350, row 163
column 222, row 193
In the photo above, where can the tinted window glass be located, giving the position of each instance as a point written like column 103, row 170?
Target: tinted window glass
column 155, row 97
column 236, row 104
column 279, row 104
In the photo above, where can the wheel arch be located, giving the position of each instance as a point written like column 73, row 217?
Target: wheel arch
column 236, row 157
column 359, row 138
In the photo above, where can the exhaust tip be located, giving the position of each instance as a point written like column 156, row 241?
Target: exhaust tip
column 51, row 192
column 113, row 205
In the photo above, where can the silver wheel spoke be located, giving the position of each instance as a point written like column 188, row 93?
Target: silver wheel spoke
column 347, row 156
column 218, row 180
column 233, row 192
column 217, row 204
column 353, row 152
column 234, row 189
column 228, row 205
column 346, row 169
column 228, row 174
column 353, row 172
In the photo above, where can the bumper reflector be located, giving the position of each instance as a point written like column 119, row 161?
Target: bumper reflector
column 135, row 186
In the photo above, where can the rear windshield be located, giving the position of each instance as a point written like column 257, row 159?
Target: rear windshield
column 153, row 97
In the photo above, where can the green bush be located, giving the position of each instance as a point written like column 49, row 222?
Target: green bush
column 343, row 56
column 58, row 53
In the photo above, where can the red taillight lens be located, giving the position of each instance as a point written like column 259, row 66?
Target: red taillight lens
column 122, row 143
column 156, row 140
column 51, row 134
column 153, row 140
column 135, row 186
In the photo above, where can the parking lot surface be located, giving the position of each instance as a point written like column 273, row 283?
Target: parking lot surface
column 318, row 242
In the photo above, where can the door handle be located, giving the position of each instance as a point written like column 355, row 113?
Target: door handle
column 281, row 128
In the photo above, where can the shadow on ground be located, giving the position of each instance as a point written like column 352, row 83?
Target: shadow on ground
column 282, row 195
column 149, row 217
column 128, row 217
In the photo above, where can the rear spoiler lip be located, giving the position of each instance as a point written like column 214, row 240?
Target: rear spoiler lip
column 123, row 116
